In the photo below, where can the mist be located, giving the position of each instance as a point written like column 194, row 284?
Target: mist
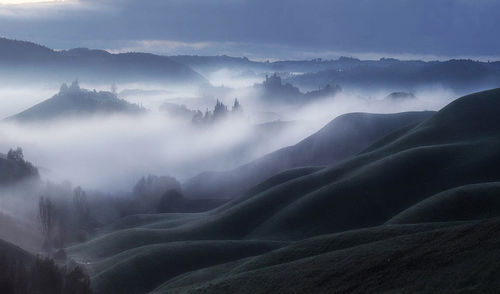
column 110, row 153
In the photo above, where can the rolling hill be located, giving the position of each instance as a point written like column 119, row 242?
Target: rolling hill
column 340, row 139
column 337, row 226
column 470, row 202
column 460, row 75
column 461, row 258
column 73, row 102
column 25, row 61
column 352, row 73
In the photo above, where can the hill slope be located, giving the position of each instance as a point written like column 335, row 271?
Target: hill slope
column 461, row 258
column 477, row 201
column 340, row 139
column 455, row 147
column 21, row 61
column 76, row 102
column 436, row 155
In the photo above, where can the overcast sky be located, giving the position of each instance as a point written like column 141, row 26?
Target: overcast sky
column 263, row 29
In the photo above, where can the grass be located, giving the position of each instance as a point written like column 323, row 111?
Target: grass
column 461, row 258
column 335, row 218
column 142, row 269
column 477, row 201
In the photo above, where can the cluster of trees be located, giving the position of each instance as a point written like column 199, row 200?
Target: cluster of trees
column 273, row 87
column 157, row 194
column 14, row 168
column 73, row 88
column 41, row 276
column 220, row 112
column 69, row 216
column 64, row 221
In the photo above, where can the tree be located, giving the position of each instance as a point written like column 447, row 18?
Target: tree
column 82, row 212
column 80, row 201
column 171, row 201
column 16, row 155
column 149, row 190
column 64, row 88
column 75, row 85
column 46, row 214
column 237, row 106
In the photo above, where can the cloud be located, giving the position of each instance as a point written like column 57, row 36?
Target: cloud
column 32, row 11
column 158, row 46
column 392, row 27
column 112, row 152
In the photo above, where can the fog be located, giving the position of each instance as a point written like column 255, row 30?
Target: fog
column 110, row 153
column 107, row 154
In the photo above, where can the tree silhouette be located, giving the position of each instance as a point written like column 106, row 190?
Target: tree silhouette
column 46, row 214
column 16, row 155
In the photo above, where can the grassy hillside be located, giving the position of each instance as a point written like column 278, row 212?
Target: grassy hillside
column 365, row 191
column 76, row 102
column 335, row 220
column 15, row 252
column 461, row 258
column 142, row 269
column 24, row 235
column 478, row 201
column 340, row 139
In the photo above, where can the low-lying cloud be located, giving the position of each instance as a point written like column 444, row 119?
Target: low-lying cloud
column 112, row 152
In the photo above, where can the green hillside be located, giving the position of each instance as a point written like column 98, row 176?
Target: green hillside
column 454, row 259
column 477, row 201
column 340, row 139
column 405, row 215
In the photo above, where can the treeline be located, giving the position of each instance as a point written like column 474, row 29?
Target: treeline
column 71, row 215
column 273, row 89
column 64, row 220
column 41, row 276
column 220, row 112
column 14, row 168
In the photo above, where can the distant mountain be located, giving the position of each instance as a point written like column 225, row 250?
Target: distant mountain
column 74, row 101
column 338, row 140
column 461, row 75
column 349, row 73
column 207, row 64
column 21, row 61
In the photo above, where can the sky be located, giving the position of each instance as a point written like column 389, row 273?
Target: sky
column 263, row 29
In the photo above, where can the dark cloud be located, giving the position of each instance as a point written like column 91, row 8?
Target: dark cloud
column 436, row 27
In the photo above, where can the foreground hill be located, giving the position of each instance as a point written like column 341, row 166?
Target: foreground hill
column 331, row 224
column 21, row 61
column 342, row 138
column 462, row 258
column 73, row 102
column 470, row 202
